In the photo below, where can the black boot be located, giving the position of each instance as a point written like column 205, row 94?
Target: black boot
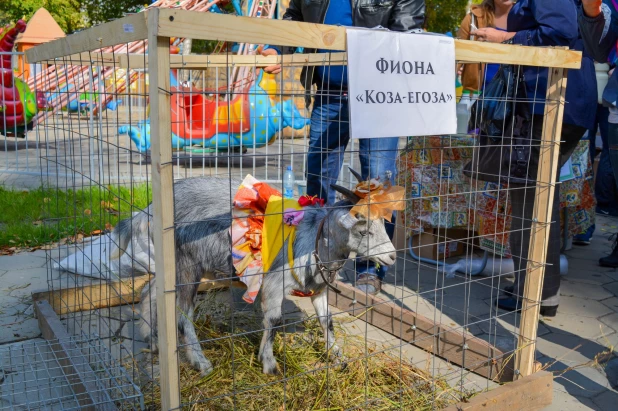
column 612, row 259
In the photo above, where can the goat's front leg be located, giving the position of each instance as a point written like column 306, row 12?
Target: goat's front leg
column 320, row 304
column 272, row 304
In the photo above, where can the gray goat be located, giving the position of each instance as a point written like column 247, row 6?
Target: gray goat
column 203, row 250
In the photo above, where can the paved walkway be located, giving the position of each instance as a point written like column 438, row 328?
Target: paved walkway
column 584, row 331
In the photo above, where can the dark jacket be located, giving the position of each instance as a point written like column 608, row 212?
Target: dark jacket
column 600, row 35
column 544, row 23
column 396, row 15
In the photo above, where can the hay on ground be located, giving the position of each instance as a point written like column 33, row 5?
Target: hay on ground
column 370, row 379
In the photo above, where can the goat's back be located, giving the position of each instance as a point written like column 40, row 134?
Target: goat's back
column 203, row 211
column 204, row 198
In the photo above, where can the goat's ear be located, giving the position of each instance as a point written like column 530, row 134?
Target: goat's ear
column 347, row 221
column 350, row 195
column 356, row 175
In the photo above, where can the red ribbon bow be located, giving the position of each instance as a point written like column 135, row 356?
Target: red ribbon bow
column 308, row 200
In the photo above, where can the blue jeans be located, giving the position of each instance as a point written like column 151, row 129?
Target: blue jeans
column 612, row 150
column 605, row 189
column 328, row 139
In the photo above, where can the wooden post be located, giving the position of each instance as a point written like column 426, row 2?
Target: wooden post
column 541, row 219
column 163, row 209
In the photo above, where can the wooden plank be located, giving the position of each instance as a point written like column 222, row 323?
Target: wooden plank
column 483, row 52
column 75, row 368
column 210, row 26
column 225, row 27
column 107, row 294
column 501, row 54
column 531, row 393
column 163, row 213
column 467, row 351
column 92, row 297
column 541, row 220
column 124, row 30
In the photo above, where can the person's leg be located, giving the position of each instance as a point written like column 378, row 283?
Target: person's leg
column 522, row 201
column 612, row 137
column 592, row 133
column 328, row 138
column 605, row 186
column 522, row 205
column 612, row 145
column 550, row 295
column 551, row 283
column 378, row 159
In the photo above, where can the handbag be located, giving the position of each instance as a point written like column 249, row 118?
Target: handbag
column 505, row 152
column 495, row 106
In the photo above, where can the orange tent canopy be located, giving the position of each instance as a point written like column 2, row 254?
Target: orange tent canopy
column 41, row 28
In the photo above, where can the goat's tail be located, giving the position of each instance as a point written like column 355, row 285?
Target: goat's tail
column 135, row 227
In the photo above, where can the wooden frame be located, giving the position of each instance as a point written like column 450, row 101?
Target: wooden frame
column 131, row 28
column 195, row 62
column 107, row 294
column 541, row 220
column 462, row 349
column 92, row 297
column 208, row 26
column 158, row 25
column 527, row 394
column 163, row 215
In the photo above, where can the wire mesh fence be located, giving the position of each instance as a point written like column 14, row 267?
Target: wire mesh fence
column 368, row 280
column 39, row 376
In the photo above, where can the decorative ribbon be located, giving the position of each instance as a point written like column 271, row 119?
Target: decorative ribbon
column 378, row 200
column 262, row 222
column 308, row 200
column 293, row 217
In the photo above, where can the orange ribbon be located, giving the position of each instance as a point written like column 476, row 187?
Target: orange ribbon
column 378, row 200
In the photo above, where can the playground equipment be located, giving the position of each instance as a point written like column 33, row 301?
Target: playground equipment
column 18, row 104
column 253, row 119
column 65, row 88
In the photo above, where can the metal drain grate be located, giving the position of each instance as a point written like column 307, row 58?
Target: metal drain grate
column 77, row 373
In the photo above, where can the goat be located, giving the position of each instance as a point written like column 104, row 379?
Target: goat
column 203, row 217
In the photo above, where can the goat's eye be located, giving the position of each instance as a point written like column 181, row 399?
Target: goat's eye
column 364, row 233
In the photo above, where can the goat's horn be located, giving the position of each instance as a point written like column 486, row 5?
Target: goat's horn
column 350, row 195
column 356, row 175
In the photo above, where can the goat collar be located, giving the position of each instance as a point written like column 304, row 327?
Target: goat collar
column 326, row 273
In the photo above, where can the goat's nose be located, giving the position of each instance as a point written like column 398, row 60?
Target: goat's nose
column 393, row 256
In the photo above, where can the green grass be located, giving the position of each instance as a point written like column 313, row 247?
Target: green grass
column 47, row 215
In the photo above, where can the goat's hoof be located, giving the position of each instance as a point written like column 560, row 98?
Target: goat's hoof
column 337, row 357
column 204, row 367
column 335, row 352
column 271, row 369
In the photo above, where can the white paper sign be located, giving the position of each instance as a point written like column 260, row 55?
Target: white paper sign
column 400, row 84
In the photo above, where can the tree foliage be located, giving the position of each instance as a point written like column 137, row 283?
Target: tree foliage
column 67, row 13
column 100, row 11
column 71, row 15
column 445, row 15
